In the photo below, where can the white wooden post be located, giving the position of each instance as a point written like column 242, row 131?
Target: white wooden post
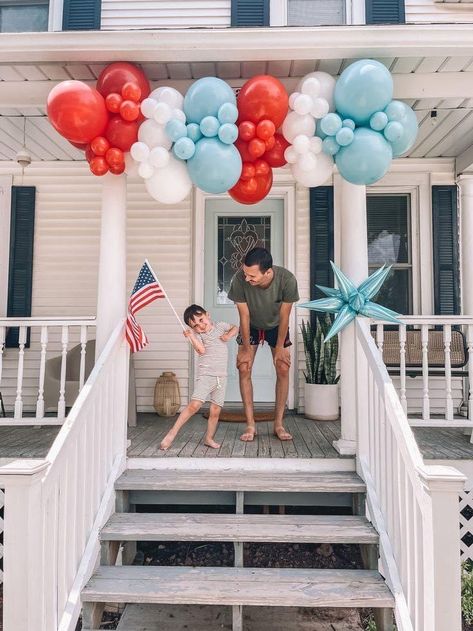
column 465, row 183
column 354, row 263
column 111, row 299
column 442, row 549
column 23, row 587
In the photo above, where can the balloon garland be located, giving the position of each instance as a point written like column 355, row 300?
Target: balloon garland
column 221, row 143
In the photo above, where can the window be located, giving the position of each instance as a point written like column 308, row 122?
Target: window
column 315, row 12
column 389, row 241
column 20, row 16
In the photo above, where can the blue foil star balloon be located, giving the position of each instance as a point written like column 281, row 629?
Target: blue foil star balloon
column 348, row 301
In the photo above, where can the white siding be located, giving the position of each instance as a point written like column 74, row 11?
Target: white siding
column 428, row 11
column 155, row 14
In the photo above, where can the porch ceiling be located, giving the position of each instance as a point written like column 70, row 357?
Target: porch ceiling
column 440, row 80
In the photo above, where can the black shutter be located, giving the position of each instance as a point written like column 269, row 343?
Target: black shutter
column 385, row 12
column 321, row 239
column 445, row 250
column 81, row 15
column 250, row 13
column 20, row 271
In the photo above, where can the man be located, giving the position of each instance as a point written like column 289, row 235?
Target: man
column 264, row 295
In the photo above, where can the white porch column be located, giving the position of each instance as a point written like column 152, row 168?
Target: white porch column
column 353, row 263
column 465, row 183
column 111, row 298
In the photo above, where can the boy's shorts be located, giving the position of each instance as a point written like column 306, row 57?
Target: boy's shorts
column 260, row 336
column 210, row 388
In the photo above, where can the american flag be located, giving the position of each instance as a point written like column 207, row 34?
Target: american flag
column 146, row 290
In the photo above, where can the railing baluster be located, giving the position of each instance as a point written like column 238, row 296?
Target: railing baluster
column 83, row 346
column 3, row 330
column 402, row 365
column 380, row 337
column 447, row 342
column 425, row 372
column 42, row 367
column 61, row 406
column 19, row 381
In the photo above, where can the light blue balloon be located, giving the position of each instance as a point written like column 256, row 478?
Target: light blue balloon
column 215, row 167
column 209, row 126
column 378, row 121
column 227, row 113
column 344, row 136
column 318, row 130
column 330, row 146
column 193, row 132
column 176, row 129
column 366, row 159
column 348, row 122
column 393, row 131
column 330, row 124
column 365, row 87
column 228, row 133
column 205, row 97
column 400, row 112
column 184, row 148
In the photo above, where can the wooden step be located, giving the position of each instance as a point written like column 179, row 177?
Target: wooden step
column 264, row 481
column 238, row 586
column 211, row 527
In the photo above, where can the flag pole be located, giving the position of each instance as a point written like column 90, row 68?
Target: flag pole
column 166, row 296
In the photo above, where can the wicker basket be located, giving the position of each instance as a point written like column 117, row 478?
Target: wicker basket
column 167, row 396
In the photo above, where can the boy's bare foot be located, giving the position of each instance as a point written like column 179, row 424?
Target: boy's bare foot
column 281, row 433
column 249, row 434
column 211, row 443
column 167, row 441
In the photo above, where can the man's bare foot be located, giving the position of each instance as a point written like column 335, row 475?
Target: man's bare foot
column 249, row 434
column 211, row 443
column 281, row 433
column 167, row 441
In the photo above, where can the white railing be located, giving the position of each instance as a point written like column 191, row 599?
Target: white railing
column 55, row 507
column 414, row 507
column 46, row 370
column 436, row 351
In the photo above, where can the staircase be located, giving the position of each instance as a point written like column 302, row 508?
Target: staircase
column 237, row 586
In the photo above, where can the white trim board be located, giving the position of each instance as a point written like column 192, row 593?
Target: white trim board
column 5, row 214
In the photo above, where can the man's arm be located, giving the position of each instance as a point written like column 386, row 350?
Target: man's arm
column 244, row 314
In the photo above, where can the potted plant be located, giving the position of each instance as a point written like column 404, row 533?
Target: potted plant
column 320, row 388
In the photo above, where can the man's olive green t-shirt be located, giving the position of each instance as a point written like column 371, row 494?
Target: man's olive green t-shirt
column 264, row 304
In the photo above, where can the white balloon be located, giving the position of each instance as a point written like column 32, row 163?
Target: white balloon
column 303, row 104
column 131, row 167
column 162, row 114
column 315, row 144
column 291, row 155
column 170, row 184
column 166, row 94
column 307, row 162
column 320, row 107
column 301, row 143
column 159, row 157
column 293, row 98
column 327, row 86
column 154, row 135
column 148, row 107
column 139, row 151
column 318, row 176
column 179, row 114
column 295, row 124
column 310, row 86
column 145, row 170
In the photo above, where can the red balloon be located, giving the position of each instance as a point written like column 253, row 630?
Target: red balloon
column 120, row 133
column 242, row 147
column 131, row 92
column 248, row 171
column 265, row 129
column 113, row 102
column 253, row 190
column 256, row 148
column 79, row 145
column 77, row 111
column 261, row 168
column 89, row 154
column 263, row 97
column 117, row 169
column 114, row 77
column 275, row 156
column 98, row 165
column 269, row 144
column 114, row 157
column 100, row 146
column 129, row 110
column 247, row 130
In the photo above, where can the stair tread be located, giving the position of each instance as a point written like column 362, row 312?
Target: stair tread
column 238, row 586
column 265, row 481
column 232, row 527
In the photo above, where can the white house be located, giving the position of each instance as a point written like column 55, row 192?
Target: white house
column 72, row 245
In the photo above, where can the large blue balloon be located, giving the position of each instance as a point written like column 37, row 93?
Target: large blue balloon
column 215, row 167
column 205, row 97
column 365, row 87
column 366, row 159
column 401, row 112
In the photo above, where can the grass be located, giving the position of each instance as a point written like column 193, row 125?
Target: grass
column 467, row 592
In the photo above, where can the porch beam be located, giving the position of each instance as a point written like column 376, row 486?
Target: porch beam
column 464, row 161
column 229, row 44
column 436, row 85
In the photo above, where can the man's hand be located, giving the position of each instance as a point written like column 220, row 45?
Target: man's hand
column 282, row 355
column 245, row 356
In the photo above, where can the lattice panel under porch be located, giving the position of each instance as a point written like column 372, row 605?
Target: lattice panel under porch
column 466, row 525
column 2, row 502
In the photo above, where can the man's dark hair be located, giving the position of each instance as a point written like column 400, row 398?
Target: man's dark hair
column 260, row 257
column 191, row 312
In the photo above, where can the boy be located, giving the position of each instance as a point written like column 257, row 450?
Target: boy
column 209, row 342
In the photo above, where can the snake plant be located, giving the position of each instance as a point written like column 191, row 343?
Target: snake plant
column 320, row 356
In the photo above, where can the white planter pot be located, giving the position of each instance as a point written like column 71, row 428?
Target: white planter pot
column 321, row 401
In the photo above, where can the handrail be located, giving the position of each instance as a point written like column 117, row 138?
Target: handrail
column 48, row 321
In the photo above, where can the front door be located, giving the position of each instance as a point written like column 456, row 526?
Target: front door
column 231, row 230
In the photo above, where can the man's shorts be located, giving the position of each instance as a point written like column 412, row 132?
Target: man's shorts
column 260, row 336
column 210, row 388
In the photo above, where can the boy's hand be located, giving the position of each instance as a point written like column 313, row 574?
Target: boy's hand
column 224, row 337
column 188, row 333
